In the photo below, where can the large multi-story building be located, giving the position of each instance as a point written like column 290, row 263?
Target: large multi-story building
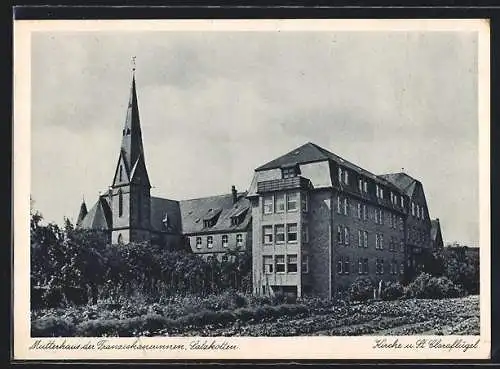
column 313, row 221
column 319, row 221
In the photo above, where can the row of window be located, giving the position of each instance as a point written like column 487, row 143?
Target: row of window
column 276, row 233
column 344, row 238
column 281, row 202
column 417, row 211
column 225, row 241
column 284, row 264
column 416, row 235
column 344, row 266
column 343, row 179
column 362, row 213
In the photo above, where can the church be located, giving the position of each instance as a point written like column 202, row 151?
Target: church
column 127, row 211
column 312, row 220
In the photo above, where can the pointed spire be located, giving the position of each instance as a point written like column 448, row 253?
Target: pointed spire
column 132, row 136
column 83, row 212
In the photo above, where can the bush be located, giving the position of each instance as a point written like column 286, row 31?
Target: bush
column 392, row 291
column 361, row 289
column 426, row 286
column 52, row 327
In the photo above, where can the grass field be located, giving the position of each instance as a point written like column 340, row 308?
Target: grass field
column 205, row 317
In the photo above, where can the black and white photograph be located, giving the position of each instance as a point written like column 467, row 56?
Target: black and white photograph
column 272, row 181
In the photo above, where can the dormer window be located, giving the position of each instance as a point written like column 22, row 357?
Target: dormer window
column 211, row 218
column 166, row 220
column 238, row 218
column 289, row 172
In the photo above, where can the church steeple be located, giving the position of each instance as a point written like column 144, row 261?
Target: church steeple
column 81, row 215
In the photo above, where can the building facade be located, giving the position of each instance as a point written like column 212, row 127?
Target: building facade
column 313, row 221
column 319, row 221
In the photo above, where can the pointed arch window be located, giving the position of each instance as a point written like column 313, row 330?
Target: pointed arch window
column 120, row 203
column 128, row 131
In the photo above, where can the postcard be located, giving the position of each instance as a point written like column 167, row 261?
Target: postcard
column 251, row 189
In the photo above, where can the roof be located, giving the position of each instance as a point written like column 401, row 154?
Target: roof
column 309, row 153
column 193, row 212
column 165, row 211
column 403, row 181
column 81, row 215
column 435, row 228
column 99, row 216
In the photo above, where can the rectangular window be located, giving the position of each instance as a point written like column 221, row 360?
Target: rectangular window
column 280, row 263
column 304, row 201
column 280, row 203
column 401, row 224
column 339, row 172
column 268, row 204
column 346, row 177
column 210, row 242
column 339, row 205
column 268, row 264
column 360, row 238
column 291, row 201
column 239, row 239
column 366, row 239
column 360, row 266
column 422, row 213
column 359, row 210
column 402, row 268
column 402, row 201
column 365, row 186
column 305, row 264
column 390, row 220
column 379, row 266
column 418, row 210
column 289, row 172
column 412, row 208
column 291, row 264
column 401, row 246
column 291, row 232
column 360, row 185
column 365, row 213
column 279, row 233
column 305, row 233
column 365, row 266
column 225, row 240
column 381, row 216
column 347, row 265
column 339, row 234
column 198, row 242
column 346, row 236
column 340, row 266
column 267, row 231
column 346, row 206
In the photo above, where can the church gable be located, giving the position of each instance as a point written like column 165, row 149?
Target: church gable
column 121, row 172
column 139, row 173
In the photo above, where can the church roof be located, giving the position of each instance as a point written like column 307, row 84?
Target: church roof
column 194, row 211
column 165, row 215
column 81, row 215
column 98, row 217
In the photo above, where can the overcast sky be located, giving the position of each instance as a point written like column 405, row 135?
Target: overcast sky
column 214, row 106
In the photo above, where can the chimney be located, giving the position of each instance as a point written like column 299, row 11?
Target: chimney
column 235, row 194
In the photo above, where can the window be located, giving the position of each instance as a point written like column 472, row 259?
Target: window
column 210, row 242
column 224, row 258
column 291, row 231
column 347, row 265
column 279, row 233
column 360, row 185
column 401, row 224
column 267, row 261
column 360, row 266
column 339, row 206
column 394, row 267
column 225, row 240
column 120, row 203
column 379, row 192
column 418, row 211
column 280, row 263
column 379, row 266
column 304, row 202
column 392, row 244
column 365, row 266
column 280, row 203
column 268, row 204
column 340, row 266
column 339, row 234
column 340, row 175
column 359, row 210
column 346, row 177
column 422, row 213
column 267, row 231
column 360, row 238
column 379, row 216
column 402, row 268
column 379, row 241
column 305, row 264
column 289, row 172
column 365, row 186
column 346, row 206
column 198, row 242
column 346, row 236
column 412, row 208
column 365, row 235
column 390, row 220
column 401, row 246
column 305, row 233
column 239, row 239
column 402, row 201
column 291, row 264
column 291, row 202
column 365, row 213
